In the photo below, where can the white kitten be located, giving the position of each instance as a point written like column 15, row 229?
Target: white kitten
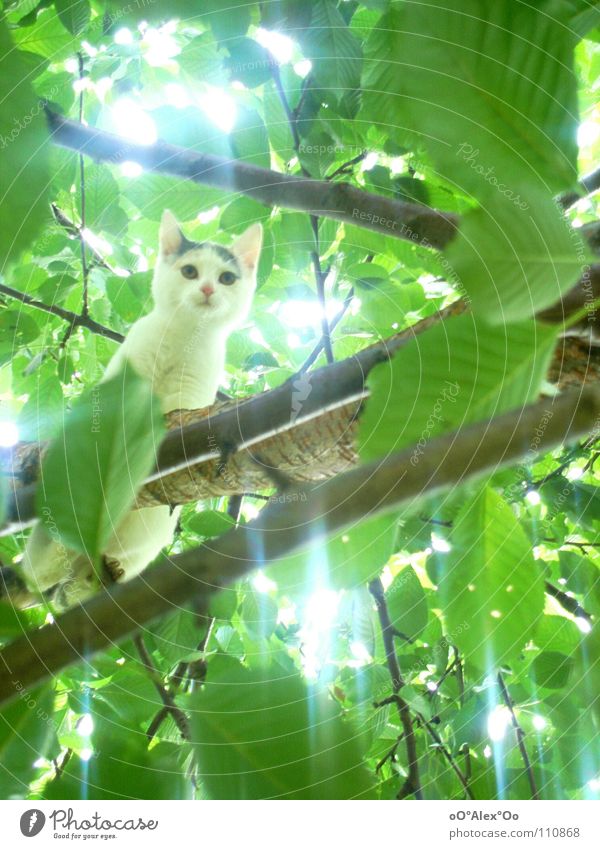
column 202, row 291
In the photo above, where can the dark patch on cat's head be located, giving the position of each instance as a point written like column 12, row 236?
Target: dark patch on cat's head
column 224, row 253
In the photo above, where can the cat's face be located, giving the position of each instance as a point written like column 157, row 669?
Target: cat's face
column 211, row 282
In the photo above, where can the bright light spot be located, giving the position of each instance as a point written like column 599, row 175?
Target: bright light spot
column 86, row 754
column 96, row 242
column 319, row 614
column 533, row 497
column 9, row 434
column 250, row 511
column 220, row 108
column 293, row 341
column 177, row 96
column 539, row 723
column 89, row 49
column 303, row 67
column 471, row 588
column 594, row 784
column 588, row 133
column 85, row 726
column 345, row 538
column 583, row 625
column 298, row 313
column 120, row 661
column 131, row 169
column 439, row 544
column 495, row 614
column 40, row 762
column 159, row 46
column 262, row 584
column 71, row 66
column 498, row 722
column 432, row 686
column 509, row 588
column 208, row 215
column 123, row 36
column 102, row 87
column 397, row 165
column 369, row 161
column 487, row 752
column 257, row 337
column 49, row 620
column 575, row 474
column 360, row 651
column 82, row 85
column 279, row 45
column 132, row 122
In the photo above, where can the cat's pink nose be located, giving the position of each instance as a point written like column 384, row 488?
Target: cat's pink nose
column 207, row 290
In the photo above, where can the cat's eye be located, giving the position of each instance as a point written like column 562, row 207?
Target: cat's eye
column 227, row 278
column 190, row 272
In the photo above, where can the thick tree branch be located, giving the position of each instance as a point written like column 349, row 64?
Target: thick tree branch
column 66, row 315
column 339, row 201
column 282, row 528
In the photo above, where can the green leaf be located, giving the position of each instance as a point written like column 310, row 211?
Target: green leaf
column 23, row 141
column 407, row 604
column 492, row 78
column 492, row 592
column 122, row 768
column 552, row 670
column 333, row 49
column 130, row 296
column 462, row 370
column 94, row 467
column 26, row 734
column 249, row 138
column 259, row 614
column 46, row 36
column 209, row 523
column 39, row 419
column 74, row 14
column 513, row 262
column 261, row 734
column 153, row 193
column 347, row 560
column 249, row 62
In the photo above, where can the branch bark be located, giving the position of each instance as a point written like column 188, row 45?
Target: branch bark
column 339, row 201
column 317, row 511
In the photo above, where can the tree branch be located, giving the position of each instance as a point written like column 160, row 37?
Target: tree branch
column 520, row 735
column 282, row 528
column 167, row 699
column 66, row 315
column 413, row 781
column 339, row 201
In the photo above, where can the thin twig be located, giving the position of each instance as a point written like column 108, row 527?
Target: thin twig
column 320, row 275
column 447, row 754
column 346, row 167
column 177, row 678
column 168, row 701
column 520, row 735
column 84, row 265
column 413, row 782
column 568, row 602
column 65, row 315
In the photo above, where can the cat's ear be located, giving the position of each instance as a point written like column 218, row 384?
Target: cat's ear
column 247, row 246
column 170, row 237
